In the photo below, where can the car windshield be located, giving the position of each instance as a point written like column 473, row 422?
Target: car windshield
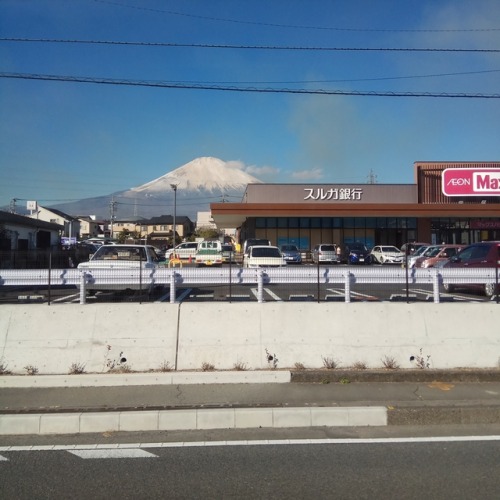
column 114, row 252
column 289, row 248
column 327, row 248
column 390, row 249
column 357, row 246
column 265, row 252
column 420, row 251
column 433, row 252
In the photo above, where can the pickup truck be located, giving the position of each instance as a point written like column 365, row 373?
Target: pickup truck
column 209, row 253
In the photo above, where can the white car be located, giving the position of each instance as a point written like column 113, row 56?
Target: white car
column 182, row 251
column 263, row 256
column 114, row 259
column 387, row 254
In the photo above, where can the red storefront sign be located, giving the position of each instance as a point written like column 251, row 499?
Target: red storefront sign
column 471, row 182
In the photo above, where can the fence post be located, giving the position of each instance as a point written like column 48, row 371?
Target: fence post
column 83, row 283
column 260, row 286
column 172, row 287
column 347, row 288
column 435, row 285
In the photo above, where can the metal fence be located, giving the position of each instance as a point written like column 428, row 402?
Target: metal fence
column 234, row 283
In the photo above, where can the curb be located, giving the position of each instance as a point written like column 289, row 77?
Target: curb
column 193, row 419
column 323, row 376
column 135, row 379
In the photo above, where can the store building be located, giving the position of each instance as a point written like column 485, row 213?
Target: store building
column 450, row 202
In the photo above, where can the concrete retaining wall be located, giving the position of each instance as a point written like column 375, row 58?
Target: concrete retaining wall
column 184, row 336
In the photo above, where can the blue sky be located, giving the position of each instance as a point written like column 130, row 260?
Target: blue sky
column 62, row 141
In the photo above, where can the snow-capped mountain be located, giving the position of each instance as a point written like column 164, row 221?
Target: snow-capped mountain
column 200, row 182
column 201, row 174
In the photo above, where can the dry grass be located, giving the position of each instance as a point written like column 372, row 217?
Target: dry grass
column 390, row 363
column 330, row 363
column 207, row 367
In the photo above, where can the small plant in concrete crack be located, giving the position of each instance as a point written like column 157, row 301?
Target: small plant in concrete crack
column 115, row 364
column 272, row 360
column 3, row 368
column 165, row 366
column 421, row 361
column 299, row 366
column 31, row 370
column 207, row 367
column 239, row 366
column 344, row 380
column 390, row 363
column 125, row 368
column 360, row 365
column 330, row 363
column 76, row 368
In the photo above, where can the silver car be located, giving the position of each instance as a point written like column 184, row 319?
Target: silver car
column 325, row 253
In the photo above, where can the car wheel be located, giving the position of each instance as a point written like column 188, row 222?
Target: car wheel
column 449, row 288
column 489, row 289
column 381, row 260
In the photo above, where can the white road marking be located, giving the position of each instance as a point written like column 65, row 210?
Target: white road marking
column 123, row 450
column 113, row 453
column 67, row 297
column 3, row 459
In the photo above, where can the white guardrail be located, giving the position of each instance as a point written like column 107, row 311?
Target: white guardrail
column 173, row 277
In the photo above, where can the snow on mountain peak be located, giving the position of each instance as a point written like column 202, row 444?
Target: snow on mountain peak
column 205, row 173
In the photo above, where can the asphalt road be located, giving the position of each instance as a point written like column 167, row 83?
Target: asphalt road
column 362, row 469
column 223, row 292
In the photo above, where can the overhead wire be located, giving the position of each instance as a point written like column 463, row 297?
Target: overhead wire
column 170, row 85
column 245, row 47
column 293, row 26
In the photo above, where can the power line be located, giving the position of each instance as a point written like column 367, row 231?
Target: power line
column 292, row 26
column 169, row 85
column 247, row 47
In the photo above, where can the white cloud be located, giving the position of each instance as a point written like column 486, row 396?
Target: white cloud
column 264, row 171
column 308, row 175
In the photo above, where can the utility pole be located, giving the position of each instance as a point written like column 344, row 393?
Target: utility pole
column 112, row 208
column 12, row 208
column 174, row 187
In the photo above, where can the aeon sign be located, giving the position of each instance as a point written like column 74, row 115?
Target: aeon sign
column 471, row 182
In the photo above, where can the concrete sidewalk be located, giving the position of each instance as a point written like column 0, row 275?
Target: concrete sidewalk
column 73, row 404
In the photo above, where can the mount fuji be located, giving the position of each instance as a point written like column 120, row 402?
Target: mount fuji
column 198, row 183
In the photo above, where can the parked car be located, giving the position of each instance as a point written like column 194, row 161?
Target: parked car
column 182, row 251
column 325, row 253
column 387, row 254
column 419, row 252
column 263, row 256
column 477, row 255
column 357, row 253
column 120, row 257
column 254, row 241
column 437, row 254
column 412, row 247
column 227, row 253
column 291, row 253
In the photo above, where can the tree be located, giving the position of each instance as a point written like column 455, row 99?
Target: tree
column 207, row 233
column 125, row 234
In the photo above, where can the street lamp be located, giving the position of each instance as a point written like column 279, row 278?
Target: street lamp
column 174, row 187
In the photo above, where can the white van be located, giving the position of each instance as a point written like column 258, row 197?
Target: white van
column 255, row 241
